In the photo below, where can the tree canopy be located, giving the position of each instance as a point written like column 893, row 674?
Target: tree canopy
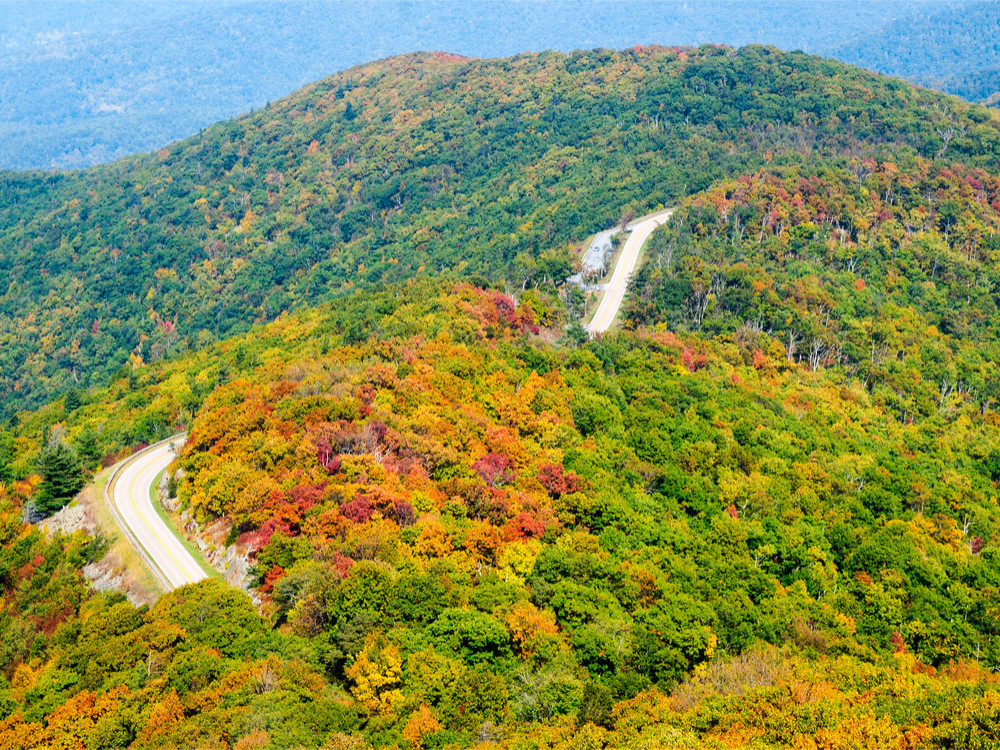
column 762, row 513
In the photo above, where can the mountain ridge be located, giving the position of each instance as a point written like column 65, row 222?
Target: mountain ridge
column 142, row 67
column 242, row 221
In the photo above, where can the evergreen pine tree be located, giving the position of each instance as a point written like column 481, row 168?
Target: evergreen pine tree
column 88, row 447
column 596, row 705
column 62, row 477
column 73, row 401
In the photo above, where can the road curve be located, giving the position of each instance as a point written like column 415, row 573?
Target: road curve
column 135, row 508
column 614, row 294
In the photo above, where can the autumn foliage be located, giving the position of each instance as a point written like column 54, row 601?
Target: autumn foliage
column 763, row 514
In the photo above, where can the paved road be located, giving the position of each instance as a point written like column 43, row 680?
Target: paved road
column 614, row 295
column 132, row 499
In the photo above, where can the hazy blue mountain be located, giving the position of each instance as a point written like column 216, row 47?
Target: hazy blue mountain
column 977, row 86
column 953, row 49
column 83, row 82
column 931, row 42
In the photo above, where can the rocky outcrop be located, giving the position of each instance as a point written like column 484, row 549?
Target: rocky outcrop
column 108, row 573
column 77, row 516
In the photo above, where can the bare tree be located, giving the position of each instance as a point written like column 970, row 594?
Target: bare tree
column 665, row 256
column 154, row 664
column 948, row 388
column 879, row 350
column 860, row 168
column 265, row 681
column 816, row 351
column 857, row 482
column 697, row 305
column 947, row 135
column 737, row 230
column 718, row 289
column 792, row 346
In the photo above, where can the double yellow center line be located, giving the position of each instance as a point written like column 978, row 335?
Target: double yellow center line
column 131, row 496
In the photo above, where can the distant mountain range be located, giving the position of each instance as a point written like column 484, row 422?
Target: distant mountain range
column 955, row 49
column 85, row 82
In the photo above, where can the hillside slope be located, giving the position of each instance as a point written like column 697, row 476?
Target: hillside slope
column 764, row 514
column 419, row 164
column 943, row 47
column 978, row 86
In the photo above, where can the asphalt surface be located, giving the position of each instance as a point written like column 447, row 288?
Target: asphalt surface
column 132, row 499
column 132, row 492
column 614, row 294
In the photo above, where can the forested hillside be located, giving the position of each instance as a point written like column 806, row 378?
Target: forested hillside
column 978, row 86
column 415, row 165
column 950, row 49
column 84, row 83
column 931, row 41
column 463, row 534
column 886, row 270
column 762, row 514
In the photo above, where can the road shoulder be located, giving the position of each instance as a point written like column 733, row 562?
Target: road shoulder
column 121, row 568
column 173, row 523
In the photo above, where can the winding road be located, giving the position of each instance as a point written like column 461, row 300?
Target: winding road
column 131, row 497
column 614, row 294
column 132, row 488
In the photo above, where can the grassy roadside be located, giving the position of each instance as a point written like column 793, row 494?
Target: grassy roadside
column 171, row 521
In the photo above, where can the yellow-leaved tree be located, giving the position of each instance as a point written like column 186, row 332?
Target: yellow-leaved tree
column 377, row 676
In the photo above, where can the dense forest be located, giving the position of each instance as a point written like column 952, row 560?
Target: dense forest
column 951, row 49
column 84, row 84
column 932, row 45
column 885, row 270
column 978, row 86
column 762, row 513
column 464, row 534
column 415, row 165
